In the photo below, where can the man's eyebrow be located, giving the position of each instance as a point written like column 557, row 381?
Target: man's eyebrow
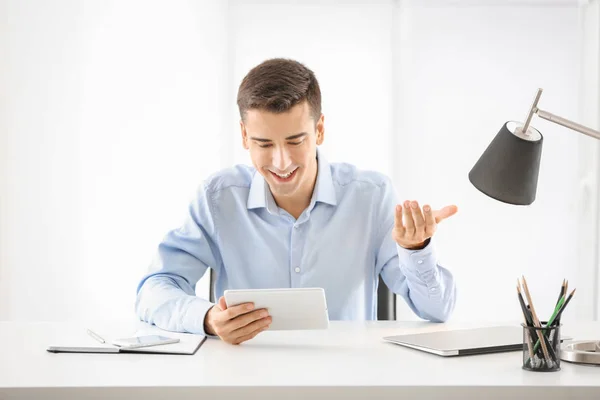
column 296, row 136
column 259, row 139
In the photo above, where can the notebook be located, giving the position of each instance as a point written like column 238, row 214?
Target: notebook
column 82, row 342
column 461, row 342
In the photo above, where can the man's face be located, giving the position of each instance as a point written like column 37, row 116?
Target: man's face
column 283, row 148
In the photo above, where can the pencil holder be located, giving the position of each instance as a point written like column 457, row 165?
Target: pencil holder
column 541, row 347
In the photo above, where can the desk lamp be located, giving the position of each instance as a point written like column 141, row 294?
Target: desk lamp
column 508, row 172
column 508, row 169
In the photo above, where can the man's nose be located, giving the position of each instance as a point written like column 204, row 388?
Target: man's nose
column 281, row 159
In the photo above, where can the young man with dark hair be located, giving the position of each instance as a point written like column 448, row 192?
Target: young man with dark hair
column 293, row 220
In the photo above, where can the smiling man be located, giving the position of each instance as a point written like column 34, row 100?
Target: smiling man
column 293, row 220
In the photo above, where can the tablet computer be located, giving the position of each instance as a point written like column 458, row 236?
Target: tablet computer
column 290, row 309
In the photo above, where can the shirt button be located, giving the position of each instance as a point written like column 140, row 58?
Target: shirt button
column 420, row 262
column 295, row 226
column 297, row 269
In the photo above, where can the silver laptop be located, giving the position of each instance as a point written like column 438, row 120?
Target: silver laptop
column 465, row 341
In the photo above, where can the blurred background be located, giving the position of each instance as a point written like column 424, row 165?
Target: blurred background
column 113, row 112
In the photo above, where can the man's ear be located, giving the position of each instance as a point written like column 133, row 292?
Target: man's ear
column 320, row 130
column 244, row 136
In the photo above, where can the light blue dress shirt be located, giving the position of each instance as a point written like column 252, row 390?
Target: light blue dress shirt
column 342, row 242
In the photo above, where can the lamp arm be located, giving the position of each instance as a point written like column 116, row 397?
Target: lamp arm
column 569, row 124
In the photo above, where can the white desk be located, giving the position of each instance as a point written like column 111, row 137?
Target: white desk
column 347, row 361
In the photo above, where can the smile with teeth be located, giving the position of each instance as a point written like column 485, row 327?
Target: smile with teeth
column 284, row 176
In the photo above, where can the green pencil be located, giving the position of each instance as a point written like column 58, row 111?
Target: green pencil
column 552, row 318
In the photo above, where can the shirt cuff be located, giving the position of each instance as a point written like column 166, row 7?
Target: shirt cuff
column 417, row 261
column 193, row 321
column 421, row 267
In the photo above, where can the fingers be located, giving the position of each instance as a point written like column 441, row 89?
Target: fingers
column 417, row 218
column 238, row 323
column 222, row 303
column 237, row 310
column 444, row 213
column 246, row 319
column 399, row 227
column 409, row 223
column 429, row 221
column 250, row 335
column 252, row 327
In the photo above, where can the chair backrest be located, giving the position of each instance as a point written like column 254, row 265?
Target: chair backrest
column 386, row 302
column 213, row 279
column 386, row 299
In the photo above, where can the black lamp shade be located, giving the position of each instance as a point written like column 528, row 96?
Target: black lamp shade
column 508, row 169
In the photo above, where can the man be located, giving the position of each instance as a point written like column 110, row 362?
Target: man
column 293, row 220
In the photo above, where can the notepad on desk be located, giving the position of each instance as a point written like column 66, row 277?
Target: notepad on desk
column 82, row 341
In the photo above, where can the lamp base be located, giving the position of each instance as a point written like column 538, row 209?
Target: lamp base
column 582, row 352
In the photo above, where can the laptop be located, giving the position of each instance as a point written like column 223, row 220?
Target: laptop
column 462, row 342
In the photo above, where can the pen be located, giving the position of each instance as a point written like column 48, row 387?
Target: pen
column 96, row 336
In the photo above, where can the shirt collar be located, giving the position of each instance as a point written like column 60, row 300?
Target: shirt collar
column 324, row 189
column 260, row 195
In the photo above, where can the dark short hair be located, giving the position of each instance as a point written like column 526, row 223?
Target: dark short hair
column 278, row 84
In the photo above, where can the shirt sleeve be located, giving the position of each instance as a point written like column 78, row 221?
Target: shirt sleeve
column 416, row 275
column 166, row 294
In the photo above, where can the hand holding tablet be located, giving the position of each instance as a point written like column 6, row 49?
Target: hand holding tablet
column 242, row 314
column 290, row 309
column 235, row 324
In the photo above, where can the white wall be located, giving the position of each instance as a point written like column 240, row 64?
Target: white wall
column 467, row 68
column 114, row 111
column 4, row 298
column 589, row 263
column 41, row 207
column 114, row 115
column 347, row 45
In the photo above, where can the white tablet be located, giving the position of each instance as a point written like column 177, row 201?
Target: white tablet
column 290, row 309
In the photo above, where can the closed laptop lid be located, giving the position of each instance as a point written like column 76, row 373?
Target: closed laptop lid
column 464, row 341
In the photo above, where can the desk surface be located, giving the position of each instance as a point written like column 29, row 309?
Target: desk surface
column 348, row 359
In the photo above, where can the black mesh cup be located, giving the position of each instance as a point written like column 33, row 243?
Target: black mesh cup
column 541, row 348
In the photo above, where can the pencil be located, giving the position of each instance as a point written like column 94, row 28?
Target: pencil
column 557, row 319
column 536, row 322
column 526, row 313
column 551, row 321
column 527, row 322
column 562, row 292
